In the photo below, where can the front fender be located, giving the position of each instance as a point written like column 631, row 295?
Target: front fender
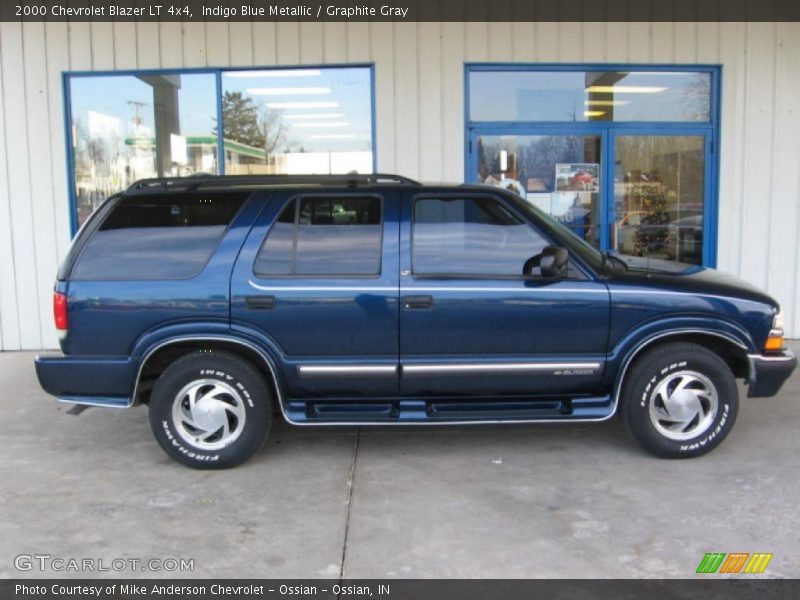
column 649, row 333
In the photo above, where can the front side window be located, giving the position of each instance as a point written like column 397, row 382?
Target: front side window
column 334, row 236
column 156, row 236
column 470, row 236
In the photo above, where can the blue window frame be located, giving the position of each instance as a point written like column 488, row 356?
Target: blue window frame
column 126, row 125
column 641, row 165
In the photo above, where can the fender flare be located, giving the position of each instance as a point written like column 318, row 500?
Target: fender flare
column 650, row 339
column 265, row 355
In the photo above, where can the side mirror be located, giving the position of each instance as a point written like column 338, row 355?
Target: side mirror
column 552, row 262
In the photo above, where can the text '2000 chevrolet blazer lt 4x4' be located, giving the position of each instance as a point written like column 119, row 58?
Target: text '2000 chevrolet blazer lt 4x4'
column 374, row 300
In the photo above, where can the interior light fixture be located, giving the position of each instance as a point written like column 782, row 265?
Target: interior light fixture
column 333, row 136
column 275, row 73
column 625, row 89
column 606, row 102
column 302, row 105
column 313, row 115
column 289, row 91
column 323, row 124
column 593, row 113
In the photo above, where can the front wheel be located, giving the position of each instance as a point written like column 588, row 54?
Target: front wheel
column 679, row 400
column 210, row 410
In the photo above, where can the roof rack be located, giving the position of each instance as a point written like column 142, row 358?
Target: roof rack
column 195, row 182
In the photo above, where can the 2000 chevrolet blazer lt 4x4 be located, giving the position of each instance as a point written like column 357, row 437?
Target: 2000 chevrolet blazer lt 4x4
column 377, row 300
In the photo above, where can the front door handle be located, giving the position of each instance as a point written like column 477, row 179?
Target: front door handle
column 260, row 302
column 413, row 302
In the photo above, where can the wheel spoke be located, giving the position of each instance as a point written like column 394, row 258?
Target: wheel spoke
column 683, row 405
column 209, row 414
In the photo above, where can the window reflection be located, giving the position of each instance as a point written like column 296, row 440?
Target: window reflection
column 294, row 121
column 570, row 96
column 470, row 236
column 659, row 196
column 559, row 174
column 127, row 127
column 324, row 236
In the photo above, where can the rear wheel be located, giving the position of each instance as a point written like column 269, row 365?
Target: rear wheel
column 210, row 410
column 679, row 400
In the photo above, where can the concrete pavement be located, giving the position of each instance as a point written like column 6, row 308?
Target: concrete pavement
column 556, row 500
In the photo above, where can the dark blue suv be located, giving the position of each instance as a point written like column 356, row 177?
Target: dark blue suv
column 374, row 300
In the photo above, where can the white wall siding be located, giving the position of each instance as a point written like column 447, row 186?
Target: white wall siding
column 419, row 120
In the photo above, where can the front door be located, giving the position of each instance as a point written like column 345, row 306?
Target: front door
column 471, row 324
column 317, row 278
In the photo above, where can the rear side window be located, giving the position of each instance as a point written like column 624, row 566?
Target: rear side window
column 324, row 236
column 165, row 236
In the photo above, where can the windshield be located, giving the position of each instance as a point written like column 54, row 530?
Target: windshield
column 558, row 232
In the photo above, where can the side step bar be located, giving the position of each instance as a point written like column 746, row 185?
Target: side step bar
column 448, row 411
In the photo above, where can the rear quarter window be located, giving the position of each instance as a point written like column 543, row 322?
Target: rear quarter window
column 157, row 236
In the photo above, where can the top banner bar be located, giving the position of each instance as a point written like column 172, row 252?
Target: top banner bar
column 401, row 10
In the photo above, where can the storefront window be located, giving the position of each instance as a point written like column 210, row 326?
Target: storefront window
column 129, row 127
column 589, row 96
column 297, row 121
column 558, row 173
column 166, row 124
column 622, row 157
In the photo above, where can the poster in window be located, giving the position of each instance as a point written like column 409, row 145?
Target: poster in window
column 577, row 177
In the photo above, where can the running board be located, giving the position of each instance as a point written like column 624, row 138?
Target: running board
column 107, row 401
column 449, row 410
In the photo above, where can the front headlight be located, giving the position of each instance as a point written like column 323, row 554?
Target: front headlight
column 777, row 322
column 775, row 338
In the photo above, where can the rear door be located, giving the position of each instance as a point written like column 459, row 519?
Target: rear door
column 318, row 277
column 472, row 325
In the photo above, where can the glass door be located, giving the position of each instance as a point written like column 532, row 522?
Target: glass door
column 659, row 195
column 639, row 192
column 561, row 173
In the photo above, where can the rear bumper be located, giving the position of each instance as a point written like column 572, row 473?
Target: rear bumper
column 768, row 372
column 87, row 380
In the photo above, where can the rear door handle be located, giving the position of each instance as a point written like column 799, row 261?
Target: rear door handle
column 413, row 302
column 260, row 302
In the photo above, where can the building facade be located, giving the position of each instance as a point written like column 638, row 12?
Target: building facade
column 672, row 140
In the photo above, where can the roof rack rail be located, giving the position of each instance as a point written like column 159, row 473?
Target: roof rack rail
column 195, row 182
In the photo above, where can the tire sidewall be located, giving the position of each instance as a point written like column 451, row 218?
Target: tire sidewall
column 211, row 366
column 638, row 399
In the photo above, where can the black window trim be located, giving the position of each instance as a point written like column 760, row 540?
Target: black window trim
column 485, row 276
column 299, row 197
column 98, row 223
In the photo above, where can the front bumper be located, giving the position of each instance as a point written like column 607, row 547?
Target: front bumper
column 87, row 379
column 768, row 372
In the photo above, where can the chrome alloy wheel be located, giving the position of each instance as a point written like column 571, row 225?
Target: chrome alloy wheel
column 208, row 414
column 683, row 405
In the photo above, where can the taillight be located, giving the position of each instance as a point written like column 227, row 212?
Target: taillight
column 60, row 311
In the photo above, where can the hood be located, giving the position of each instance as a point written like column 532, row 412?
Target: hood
column 683, row 277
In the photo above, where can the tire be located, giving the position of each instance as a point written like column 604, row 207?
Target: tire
column 228, row 427
column 679, row 400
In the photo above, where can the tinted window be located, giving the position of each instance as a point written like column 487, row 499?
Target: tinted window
column 166, row 236
column 470, row 236
column 324, row 236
